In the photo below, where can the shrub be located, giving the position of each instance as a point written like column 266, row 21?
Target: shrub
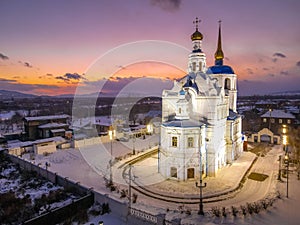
column 134, row 197
column 244, row 210
column 216, row 211
column 224, row 214
column 122, row 193
column 105, row 208
column 250, row 208
column 234, row 211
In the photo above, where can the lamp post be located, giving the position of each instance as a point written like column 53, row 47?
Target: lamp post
column 133, row 144
column 112, row 134
column 200, row 186
column 270, row 110
column 201, row 211
column 130, row 179
column 286, row 160
column 279, row 169
column 129, row 189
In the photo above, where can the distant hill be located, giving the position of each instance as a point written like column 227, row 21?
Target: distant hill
column 4, row 94
column 286, row 93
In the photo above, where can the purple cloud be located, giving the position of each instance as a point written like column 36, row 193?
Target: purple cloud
column 70, row 77
column 3, row 57
column 285, row 73
column 167, row 5
column 279, row 55
column 26, row 64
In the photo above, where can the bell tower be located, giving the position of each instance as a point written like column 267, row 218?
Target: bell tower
column 197, row 59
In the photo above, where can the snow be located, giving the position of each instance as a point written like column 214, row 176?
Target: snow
column 7, row 115
column 53, row 125
column 53, row 117
column 89, row 164
column 278, row 114
column 35, row 188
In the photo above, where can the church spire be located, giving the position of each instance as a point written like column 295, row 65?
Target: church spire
column 219, row 55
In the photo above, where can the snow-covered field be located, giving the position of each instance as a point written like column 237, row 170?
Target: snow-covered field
column 73, row 164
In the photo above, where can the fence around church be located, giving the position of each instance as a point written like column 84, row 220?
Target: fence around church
column 120, row 208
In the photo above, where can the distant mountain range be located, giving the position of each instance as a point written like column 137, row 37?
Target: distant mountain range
column 7, row 95
column 4, row 94
column 286, row 93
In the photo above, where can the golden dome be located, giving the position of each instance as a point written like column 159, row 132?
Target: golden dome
column 219, row 54
column 196, row 35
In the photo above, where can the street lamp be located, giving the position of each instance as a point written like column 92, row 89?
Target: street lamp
column 270, row 110
column 111, row 134
column 201, row 212
column 286, row 161
column 200, row 186
column 279, row 169
column 133, row 143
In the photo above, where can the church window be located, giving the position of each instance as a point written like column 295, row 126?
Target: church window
column 190, row 173
column 194, row 66
column 190, row 142
column 227, row 84
column 173, row 172
column 179, row 110
column 264, row 120
column 174, row 141
column 200, row 65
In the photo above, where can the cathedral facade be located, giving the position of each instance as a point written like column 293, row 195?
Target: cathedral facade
column 201, row 130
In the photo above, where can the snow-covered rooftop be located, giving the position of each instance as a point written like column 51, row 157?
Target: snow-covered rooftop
column 52, row 117
column 17, row 143
column 183, row 123
column 278, row 114
column 58, row 130
column 53, row 125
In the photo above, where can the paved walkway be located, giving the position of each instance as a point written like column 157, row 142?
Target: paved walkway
column 226, row 180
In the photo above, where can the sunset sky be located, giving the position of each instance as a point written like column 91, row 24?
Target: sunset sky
column 47, row 47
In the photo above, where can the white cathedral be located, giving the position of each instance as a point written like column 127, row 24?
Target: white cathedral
column 201, row 130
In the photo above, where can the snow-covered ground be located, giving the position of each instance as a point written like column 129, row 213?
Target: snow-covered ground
column 20, row 186
column 88, row 166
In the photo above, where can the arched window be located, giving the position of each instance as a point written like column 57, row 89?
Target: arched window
column 200, row 65
column 227, row 84
column 179, row 110
column 194, row 66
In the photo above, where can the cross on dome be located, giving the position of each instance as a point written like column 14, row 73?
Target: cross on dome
column 196, row 35
column 196, row 22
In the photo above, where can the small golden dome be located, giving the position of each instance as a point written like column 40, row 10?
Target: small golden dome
column 219, row 54
column 196, row 35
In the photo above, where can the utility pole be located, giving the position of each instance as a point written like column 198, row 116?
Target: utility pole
column 279, row 169
column 129, row 189
column 286, row 159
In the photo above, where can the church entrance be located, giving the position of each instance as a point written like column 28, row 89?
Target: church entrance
column 173, row 172
column 190, row 173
